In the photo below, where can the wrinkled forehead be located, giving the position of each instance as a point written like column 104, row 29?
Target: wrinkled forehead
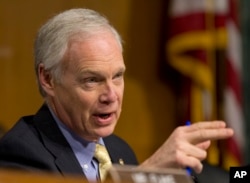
column 94, row 50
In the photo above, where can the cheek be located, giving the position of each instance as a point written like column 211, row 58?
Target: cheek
column 121, row 94
column 87, row 100
column 120, row 89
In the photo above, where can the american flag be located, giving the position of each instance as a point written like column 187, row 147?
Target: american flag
column 203, row 37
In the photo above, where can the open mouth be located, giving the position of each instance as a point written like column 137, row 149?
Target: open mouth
column 104, row 116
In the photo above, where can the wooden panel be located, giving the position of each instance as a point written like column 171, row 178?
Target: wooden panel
column 19, row 22
column 148, row 110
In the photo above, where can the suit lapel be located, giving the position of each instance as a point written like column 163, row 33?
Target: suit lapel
column 119, row 151
column 56, row 143
column 114, row 156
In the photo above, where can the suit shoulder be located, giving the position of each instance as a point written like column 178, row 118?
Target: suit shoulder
column 23, row 128
column 21, row 147
column 22, row 136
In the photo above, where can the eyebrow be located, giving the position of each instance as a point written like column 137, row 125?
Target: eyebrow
column 97, row 72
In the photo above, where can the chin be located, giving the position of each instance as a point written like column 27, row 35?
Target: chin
column 104, row 132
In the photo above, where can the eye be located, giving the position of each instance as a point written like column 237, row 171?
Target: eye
column 90, row 80
column 119, row 75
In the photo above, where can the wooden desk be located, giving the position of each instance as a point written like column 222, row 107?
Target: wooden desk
column 13, row 176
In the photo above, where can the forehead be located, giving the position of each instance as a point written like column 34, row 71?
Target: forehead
column 95, row 50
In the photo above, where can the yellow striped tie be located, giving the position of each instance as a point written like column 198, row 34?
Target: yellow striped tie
column 101, row 154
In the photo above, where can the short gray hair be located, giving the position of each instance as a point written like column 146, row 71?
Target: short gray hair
column 53, row 37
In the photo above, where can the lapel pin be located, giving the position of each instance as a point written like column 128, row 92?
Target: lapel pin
column 121, row 162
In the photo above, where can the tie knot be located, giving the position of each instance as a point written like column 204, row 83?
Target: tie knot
column 101, row 154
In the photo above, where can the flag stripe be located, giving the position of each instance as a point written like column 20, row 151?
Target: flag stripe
column 233, row 91
column 233, row 81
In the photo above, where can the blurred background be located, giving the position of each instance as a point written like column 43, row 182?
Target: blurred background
column 186, row 60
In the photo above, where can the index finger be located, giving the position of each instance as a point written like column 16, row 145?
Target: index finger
column 204, row 134
column 206, row 125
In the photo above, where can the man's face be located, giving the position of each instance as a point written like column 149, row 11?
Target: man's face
column 89, row 97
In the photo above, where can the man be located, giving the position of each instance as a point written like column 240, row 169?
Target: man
column 80, row 69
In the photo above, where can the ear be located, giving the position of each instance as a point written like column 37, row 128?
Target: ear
column 46, row 80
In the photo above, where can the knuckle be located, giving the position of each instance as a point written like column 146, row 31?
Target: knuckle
column 203, row 155
column 179, row 158
column 202, row 134
column 179, row 132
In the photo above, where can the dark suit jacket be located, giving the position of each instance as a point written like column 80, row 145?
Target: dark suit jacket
column 36, row 143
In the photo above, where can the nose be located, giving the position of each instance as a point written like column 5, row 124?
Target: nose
column 108, row 93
